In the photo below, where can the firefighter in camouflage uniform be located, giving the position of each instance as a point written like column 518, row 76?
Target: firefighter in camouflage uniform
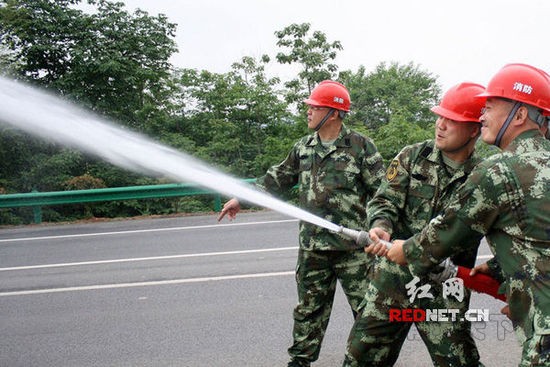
column 507, row 199
column 337, row 171
column 420, row 182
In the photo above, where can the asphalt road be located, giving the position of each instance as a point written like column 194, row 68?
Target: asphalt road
column 183, row 291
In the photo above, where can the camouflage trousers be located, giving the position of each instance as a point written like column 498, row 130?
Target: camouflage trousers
column 317, row 273
column 375, row 340
column 536, row 350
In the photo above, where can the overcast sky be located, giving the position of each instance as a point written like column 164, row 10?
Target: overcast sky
column 461, row 40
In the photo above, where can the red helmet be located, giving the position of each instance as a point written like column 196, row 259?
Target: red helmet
column 522, row 83
column 331, row 94
column 459, row 103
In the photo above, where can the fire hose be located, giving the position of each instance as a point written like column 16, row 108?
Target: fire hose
column 362, row 238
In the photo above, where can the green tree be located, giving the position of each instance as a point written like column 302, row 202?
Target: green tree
column 392, row 105
column 229, row 116
column 313, row 53
column 111, row 61
column 16, row 149
column 393, row 90
column 398, row 133
column 49, row 170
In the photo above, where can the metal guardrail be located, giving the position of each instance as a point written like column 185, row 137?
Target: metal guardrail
column 38, row 199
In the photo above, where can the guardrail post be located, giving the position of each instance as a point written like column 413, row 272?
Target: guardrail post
column 37, row 212
column 217, row 203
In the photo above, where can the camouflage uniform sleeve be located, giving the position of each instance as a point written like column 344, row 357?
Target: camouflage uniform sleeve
column 495, row 270
column 470, row 216
column 390, row 198
column 372, row 168
column 280, row 178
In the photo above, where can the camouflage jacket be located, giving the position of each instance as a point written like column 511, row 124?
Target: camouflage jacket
column 507, row 199
column 334, row 183
column 418, row 186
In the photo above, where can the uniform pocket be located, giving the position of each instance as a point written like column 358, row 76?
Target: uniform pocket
column 342, row 173
column 422, row 192
column 419, row 202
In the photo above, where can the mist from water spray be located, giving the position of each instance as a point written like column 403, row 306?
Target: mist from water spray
column 52, row 118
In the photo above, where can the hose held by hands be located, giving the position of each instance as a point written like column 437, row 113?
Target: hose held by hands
column 362, row 238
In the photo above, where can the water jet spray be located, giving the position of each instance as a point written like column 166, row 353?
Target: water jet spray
column 50, row 117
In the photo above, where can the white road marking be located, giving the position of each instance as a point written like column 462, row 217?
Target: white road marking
column 143, row 231
column 143, row 284
column 154, row 283
column 168, row 257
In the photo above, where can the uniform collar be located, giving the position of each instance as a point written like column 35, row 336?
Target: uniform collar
column 339, row 142
column 526, row 141
column 436, row 156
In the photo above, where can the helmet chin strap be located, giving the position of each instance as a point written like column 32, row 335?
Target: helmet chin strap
column 322, row 122
column 504, row 126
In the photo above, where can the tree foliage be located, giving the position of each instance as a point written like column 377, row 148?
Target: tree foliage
column 392, row 90
column 314, row 54
column 393, row 103
column 111, row 61
column 231, row 115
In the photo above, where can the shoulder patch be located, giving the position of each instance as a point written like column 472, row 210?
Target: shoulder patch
column 391, row 172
